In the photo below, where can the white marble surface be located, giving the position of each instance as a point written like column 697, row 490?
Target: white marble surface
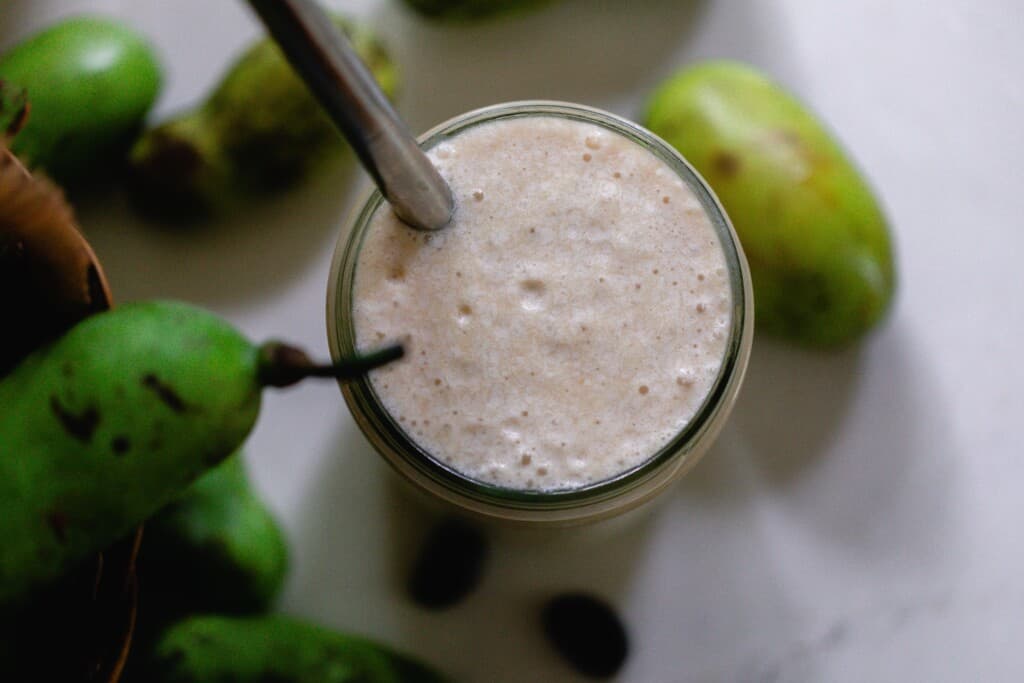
column 859, row 519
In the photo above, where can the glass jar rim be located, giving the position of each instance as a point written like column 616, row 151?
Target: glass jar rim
column 387, row 435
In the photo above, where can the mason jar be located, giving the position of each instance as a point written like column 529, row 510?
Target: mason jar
column 610, row 496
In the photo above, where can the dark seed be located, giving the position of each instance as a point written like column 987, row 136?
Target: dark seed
column 587, row 632
column 78, row 425
column 449, row 565
column 167, row 395
column 120, row 444
column 726, row 164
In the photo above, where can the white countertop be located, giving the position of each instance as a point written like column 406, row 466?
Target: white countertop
column 860, row 517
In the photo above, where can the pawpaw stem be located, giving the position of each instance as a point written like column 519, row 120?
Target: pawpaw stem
column 282, row 365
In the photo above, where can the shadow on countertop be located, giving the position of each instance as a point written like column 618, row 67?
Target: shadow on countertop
column 560, row 52
column 794, row 403
column 831, row 498
column 251, row 253
column 356, row 502
column 856, row 446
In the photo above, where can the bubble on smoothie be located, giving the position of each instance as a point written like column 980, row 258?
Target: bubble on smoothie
column 607, row 191
column 686, row 377
column 532, row 292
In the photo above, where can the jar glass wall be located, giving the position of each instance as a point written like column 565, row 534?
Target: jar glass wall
column 609, row 496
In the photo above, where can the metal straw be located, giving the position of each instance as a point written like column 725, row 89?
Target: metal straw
column 326, row 61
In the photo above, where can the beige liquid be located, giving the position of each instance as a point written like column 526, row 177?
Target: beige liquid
column 566, row 325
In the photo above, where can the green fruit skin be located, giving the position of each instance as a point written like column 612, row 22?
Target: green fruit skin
column 217, row 548
column 106, row 425
column 217, row 649
column 472, row 10
column 818, row 244
column 261, row 130
column 90, row 83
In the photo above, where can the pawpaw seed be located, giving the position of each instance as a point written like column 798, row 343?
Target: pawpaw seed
column 587, row 632
column 203, row 638
column 164, row 392
column 449, row 566
column 120, row 444
column 79, row 426
column 726, row 164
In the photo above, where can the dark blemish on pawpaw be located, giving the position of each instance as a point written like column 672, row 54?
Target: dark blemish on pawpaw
column 67, row 369
column 789, row 137
column 173, row 659
column 12, row 95
column 164, row 392
column 58, row 523
column 120, row 445
column 725, row 164
column 272, row 677
column 80, row 426
column 174, row 156
column 202, row 638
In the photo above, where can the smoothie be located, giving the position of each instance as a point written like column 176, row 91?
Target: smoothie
column 570, row 321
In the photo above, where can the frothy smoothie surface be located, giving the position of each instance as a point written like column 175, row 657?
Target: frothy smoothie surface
column 569, row 321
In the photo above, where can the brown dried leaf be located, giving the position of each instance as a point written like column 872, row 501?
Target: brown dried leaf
column 49, row 276
column 117, row 606
column 80, row 628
